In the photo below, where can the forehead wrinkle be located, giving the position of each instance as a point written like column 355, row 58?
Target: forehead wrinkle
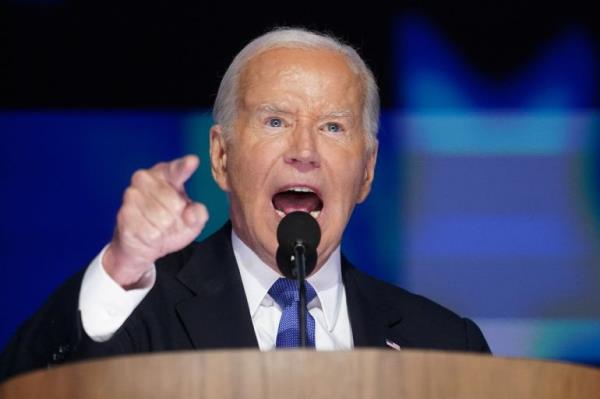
column 258, row 71
column 270, row 107
column 339, row 114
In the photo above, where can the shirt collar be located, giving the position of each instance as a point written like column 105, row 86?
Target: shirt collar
column 258, row 277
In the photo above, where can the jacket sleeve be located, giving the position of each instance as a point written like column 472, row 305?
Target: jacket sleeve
column 48, row 337
column 55, row 335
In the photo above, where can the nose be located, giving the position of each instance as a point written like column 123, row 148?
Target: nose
column 302, row 152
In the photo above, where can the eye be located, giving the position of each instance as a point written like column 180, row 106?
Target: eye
column 333, row 127
column 275, row 122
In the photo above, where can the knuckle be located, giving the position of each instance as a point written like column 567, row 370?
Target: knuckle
column 159, row 169
column 157, row 215
column 177, row 203
column 140, row 177
column 166, row 220
column 130, row 195
column 171, row 198
column 125, row 216
column 121, row 217
column 127, row 236
column 153, row 234
column 160, row 166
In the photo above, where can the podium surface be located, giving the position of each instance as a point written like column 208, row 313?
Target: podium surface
column 290, row 374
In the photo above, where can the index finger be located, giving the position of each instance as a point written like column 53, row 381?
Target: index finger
column 180, row 170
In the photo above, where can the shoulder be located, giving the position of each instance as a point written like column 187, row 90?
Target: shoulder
column 420, row 321
column 392, row 296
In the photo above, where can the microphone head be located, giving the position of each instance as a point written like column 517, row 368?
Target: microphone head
column 297, row 228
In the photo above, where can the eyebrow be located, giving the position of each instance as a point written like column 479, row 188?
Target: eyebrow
column 272, row 108
column 276, row 109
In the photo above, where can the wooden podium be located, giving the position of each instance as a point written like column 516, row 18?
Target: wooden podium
column 308, row 374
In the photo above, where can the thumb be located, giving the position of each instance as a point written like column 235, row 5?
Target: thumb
column 181, row 169
column 195, row 216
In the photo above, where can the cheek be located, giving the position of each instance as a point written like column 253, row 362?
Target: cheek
column 239, row 175
column 349, row 181
column 247, row 174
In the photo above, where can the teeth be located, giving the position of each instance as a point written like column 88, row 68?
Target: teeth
column 301, row 189
column 314, row 214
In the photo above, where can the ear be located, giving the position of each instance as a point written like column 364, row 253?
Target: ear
column 218, row 156
column 365, row 187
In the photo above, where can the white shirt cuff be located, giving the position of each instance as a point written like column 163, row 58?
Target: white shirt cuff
column 104, row 304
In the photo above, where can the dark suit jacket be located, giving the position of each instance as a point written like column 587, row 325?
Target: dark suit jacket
column 198, row 302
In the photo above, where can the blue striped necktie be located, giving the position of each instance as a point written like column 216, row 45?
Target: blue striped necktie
column 285, row 292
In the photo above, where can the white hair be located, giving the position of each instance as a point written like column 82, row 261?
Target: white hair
column 226, row 103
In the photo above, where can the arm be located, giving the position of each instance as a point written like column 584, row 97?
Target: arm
column 48, row 336
column 105, row 305
column 155, row 219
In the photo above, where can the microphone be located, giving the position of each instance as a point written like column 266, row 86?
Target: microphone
column 298, row 235
column 297, row 229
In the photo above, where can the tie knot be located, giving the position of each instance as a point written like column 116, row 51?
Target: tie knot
column 284, row 291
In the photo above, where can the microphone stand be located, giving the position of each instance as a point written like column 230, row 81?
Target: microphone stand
column 300, row 262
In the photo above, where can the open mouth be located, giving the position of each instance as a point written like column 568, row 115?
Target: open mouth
column 294, row 199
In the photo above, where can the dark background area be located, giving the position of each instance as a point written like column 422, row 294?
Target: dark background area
column 62, row 54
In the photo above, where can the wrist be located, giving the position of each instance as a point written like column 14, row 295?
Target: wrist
column 128, row 272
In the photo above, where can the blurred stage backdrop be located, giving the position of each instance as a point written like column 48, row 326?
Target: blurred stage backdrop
column 487, row 191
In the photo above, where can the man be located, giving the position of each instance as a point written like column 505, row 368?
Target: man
column 296, row 119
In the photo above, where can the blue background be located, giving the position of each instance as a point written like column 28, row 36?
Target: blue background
column 485, row 196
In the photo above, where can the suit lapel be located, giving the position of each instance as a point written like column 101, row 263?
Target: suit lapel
column 373, row 320
column 217, row 316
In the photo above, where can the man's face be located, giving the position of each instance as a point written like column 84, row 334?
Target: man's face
column 298, row 143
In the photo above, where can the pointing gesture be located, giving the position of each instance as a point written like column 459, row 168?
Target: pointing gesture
column 156, row 218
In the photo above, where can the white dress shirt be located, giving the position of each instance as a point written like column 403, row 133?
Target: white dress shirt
column 105, row 305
